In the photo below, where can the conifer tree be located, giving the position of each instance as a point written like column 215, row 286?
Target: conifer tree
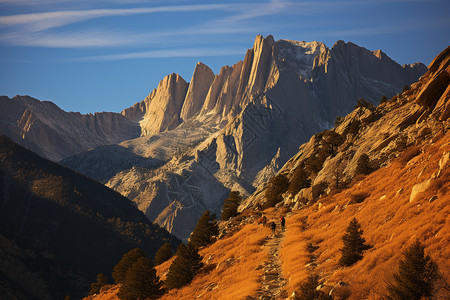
column 354, row 244
column 141, row 281
column 383, row 99
column 205, row 229
column 416, row 277
column 277, row 186
column 299, row 180
column 102, row 280
column 184, row 267
column 163, row 254
column 128, row 259
column 308, row 289
column 230, row 206
column 363, row 165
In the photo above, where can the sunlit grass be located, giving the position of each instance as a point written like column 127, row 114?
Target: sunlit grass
column 389, row 221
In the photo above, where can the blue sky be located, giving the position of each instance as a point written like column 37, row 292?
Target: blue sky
column 105, row 55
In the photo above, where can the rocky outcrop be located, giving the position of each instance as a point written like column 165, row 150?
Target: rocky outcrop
column 163, row 105
column 198, row 88
column 409, row 119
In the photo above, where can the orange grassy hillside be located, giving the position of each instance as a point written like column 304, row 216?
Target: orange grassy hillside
column 230, row 272
column 389, row 220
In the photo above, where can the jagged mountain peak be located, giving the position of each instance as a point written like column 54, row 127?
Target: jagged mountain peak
column 243, row 123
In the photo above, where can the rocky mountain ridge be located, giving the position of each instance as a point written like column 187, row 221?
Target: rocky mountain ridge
column 44, row 128
column 263, row 109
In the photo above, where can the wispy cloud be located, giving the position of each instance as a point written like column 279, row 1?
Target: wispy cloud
column 44, row 29
column 41, row 21
column 181, row 52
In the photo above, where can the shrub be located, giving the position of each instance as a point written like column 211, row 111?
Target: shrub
column 405, row 88
column 358, row 198
column 364, row 103
column 354, row 244
column 416, row 277
column 338, row 121
column 299, row 180
column 310, row 248
column 141, row 282
column 383, row 99
column 163, row 254
column 277, row 186
column 308, row 289
column 230, row 206
column 409, row 154
column 364, row 165
column 128, row 259
column 205, row 229
column 102, row 280
column 184, row 267
column 330, row 141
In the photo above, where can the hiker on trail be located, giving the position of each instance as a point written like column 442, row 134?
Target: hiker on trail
column 283, row 223
column 273, row 226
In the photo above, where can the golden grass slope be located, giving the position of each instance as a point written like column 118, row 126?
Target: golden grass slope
column 230, row 272
column 389, row 220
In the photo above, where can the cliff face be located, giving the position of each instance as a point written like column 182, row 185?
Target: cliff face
column 43, row 127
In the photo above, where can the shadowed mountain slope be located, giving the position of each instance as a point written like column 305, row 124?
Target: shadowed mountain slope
column 65, row 227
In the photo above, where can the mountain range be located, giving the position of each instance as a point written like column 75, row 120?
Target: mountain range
column 184, row 147
column 398, row 194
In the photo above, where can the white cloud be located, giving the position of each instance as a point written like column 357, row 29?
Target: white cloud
column 45, row 20
column 41, row 29
column 181, row 52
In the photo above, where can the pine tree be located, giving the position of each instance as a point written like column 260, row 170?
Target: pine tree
column 230, row 206
column 102, row 280
column 277, row 186
column 141, row 281
column 383, row 99
column 354, row 244
column 299, row 180
column 184, row 267
column 416, row 277
column 205, row 229
column 308, row 289
column 128, row 259
column 163, row 254
column 363, row 165
column 329, row 141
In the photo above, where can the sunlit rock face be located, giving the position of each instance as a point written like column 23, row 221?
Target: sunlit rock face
column 44, row 128
column 258, row 111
